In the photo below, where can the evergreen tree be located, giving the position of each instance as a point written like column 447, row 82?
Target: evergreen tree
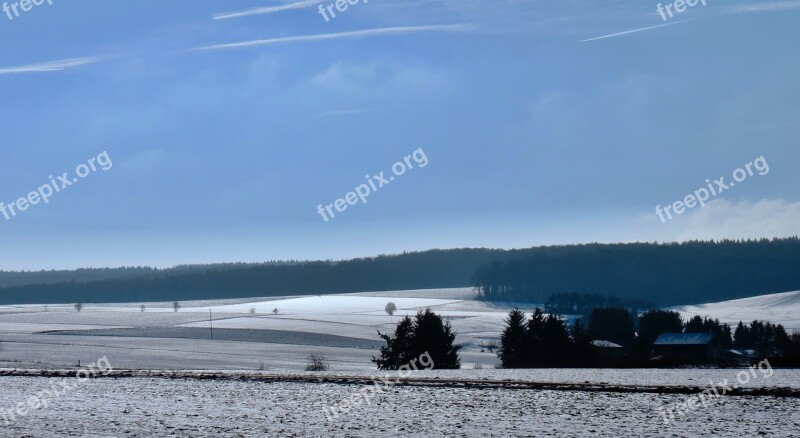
column 611, row 324
column 782, row 340
column 396, row 352
column 727, row 337
column 581, row 343
column 555, row 345
column 741, row 337
column 426, row 333
column 695, row 325
column 533, row 339
column 653, row 324
column 436, row 337
column 512, row 352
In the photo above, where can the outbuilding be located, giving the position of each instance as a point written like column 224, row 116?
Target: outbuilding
column 687, row 348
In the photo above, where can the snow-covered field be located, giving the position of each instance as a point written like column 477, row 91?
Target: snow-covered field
column 248, row 335
column 783, row 308
column 228, row 408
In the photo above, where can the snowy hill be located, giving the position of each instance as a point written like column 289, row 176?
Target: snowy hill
column 782, row 308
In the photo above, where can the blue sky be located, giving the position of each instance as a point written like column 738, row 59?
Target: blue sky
column 533, row 136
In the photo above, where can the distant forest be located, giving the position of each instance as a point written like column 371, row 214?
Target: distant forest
column 84, row 275
column 665, row 274
column 418, row 270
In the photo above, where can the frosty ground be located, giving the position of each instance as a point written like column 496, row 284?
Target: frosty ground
column 249, row 337
column 341, row 327
column 159, row 407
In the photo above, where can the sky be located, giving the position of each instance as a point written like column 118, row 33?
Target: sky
column 226, row 127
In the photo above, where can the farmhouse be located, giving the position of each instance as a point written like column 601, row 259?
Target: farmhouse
column 687, row 348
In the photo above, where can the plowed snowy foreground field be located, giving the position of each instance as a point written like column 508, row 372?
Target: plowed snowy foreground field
column 156, row 407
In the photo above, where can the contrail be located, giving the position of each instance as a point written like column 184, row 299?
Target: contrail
column 330, row 36
column 765, row 7
column 268, row 9
column 50, row 66
column 641, row 29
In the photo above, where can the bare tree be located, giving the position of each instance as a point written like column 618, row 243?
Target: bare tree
column 275, row 310
column 491, row 346
column 390, row 308
column 317, row 362
column 142, row 307
column 78, row 307
column 176, row 305
column 252, row 310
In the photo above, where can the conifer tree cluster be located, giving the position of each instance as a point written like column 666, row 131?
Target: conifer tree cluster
column 426, row 333
column 543, row 341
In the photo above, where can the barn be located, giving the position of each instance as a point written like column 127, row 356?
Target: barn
column 687, row 348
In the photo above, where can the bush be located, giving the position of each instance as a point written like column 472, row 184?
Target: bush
column 317, row 362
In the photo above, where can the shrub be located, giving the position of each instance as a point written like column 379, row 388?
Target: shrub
column 317, row 362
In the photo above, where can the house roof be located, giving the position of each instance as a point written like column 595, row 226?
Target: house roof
column 684, row 339
column 605, row 344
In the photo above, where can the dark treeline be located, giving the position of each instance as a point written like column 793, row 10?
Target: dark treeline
column 23, row 278
column 544, row 342
column 661, row 273
column 85, row 275
column 574, row 303
column 548, row 341
column 666, row 274
column 419, row 270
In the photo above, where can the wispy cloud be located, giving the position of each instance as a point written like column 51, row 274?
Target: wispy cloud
column 267, row 9
column 50, row 66
column 773, row 6
column 765, row 7
column 641, row 29
column 353, row 34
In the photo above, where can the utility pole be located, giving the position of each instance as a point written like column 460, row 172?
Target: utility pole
column 211, row 323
